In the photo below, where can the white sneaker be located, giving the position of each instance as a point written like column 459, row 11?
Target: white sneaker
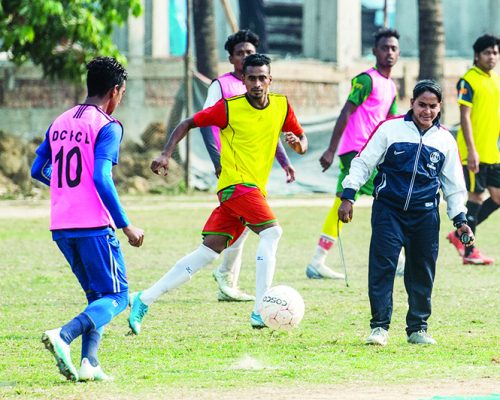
column 61, row 352
column 89, row 373
column 421, row 337
column 378, row 336
column 321, row 271
column 226, row 290
column 400, row 269
column 234, row 294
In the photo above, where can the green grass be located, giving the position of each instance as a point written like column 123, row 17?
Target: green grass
column 190, row 340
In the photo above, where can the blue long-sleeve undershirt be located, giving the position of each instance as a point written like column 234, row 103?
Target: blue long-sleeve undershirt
column 107, row 192
column 106, row 152
column 41, row 170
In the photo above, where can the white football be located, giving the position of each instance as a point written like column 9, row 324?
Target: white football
column 282, row 308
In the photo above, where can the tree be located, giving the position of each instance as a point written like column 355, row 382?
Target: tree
column 204, row 34
column 431, row 40
column 62, row 35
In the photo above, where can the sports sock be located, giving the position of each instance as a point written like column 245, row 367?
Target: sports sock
column 76, row 327
column 472, row 214
column 487, row 208
column 90, row 345
column 180, row 273
column 330, row 233
column 231, row 258
column 332, row 221
column 104, row 309
column 325, row 243
column 266, row 262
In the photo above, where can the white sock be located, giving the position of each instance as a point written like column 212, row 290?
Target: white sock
column 319, row 256
column 324, row 245
column 266, row 262
column 231, row 261
column 180, row 273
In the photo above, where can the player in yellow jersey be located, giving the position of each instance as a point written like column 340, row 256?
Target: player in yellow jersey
column 250, row 128
column 479, row 100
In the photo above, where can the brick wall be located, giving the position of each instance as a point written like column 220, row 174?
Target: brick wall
column 28, row 103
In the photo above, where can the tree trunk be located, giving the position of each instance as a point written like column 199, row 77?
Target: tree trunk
column 431, row 40
column 204, row 34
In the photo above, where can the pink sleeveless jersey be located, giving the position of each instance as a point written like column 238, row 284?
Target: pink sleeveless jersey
column 75, row 202
column 368, row 115
column 230, row 86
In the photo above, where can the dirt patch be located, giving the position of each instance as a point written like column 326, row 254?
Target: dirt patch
column 353, row 391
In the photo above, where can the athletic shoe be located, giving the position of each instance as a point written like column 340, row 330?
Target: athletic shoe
column 237, row 295
column 226, row 290
column 137, row 312
column 321, row 271
column 89, row 373
column 400, row 269
column 477, row 258
column 421, row 337
column 455, row 241
column 256, row 321
column 61, row 352
column 379, row 336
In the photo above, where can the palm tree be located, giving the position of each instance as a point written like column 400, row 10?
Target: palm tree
column 431, row 40
column 204, row 37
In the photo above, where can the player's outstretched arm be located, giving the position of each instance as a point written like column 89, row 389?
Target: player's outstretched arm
column 134, row 235
column 160, row 164
column 296, row 143
column 41, row 170
column 285, row 163
column 326, row 158
column 466, row 124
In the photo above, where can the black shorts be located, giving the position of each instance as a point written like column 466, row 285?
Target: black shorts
column 488, row 175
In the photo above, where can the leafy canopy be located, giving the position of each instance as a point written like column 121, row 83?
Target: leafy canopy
column 62, row 35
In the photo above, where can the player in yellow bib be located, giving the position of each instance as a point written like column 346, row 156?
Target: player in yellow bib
column 479, row 100
column 250, row 128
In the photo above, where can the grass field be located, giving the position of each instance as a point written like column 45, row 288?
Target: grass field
column 195, row 347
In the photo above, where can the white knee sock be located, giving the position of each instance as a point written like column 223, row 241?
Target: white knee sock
column 266, row 261
column 180, row 273
column 231, row 261
column 325, row 243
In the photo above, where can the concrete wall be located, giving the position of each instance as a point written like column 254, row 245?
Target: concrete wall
column 332, row 30
column 464, row 21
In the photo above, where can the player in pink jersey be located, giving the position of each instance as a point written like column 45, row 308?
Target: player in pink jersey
column 372, row 99
column 76, row 159
column 238, row 45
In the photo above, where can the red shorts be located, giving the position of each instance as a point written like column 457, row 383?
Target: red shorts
column 231, row 217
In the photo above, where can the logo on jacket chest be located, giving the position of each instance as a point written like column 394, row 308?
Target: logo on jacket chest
column 434, row 158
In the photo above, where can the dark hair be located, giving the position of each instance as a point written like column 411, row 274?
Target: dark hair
column 103, row 73
column 427, row 85
column 256, row 60
column 242, row 36
column 384, row 33
column 485, row 41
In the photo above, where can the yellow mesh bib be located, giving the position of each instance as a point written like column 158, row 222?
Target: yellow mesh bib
column 248, row 142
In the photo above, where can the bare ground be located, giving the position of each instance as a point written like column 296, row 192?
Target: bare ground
column 365, row 391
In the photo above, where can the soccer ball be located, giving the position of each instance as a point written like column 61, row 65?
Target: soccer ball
column 282, row 308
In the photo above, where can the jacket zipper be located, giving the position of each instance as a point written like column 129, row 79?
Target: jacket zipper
column 410, row 189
